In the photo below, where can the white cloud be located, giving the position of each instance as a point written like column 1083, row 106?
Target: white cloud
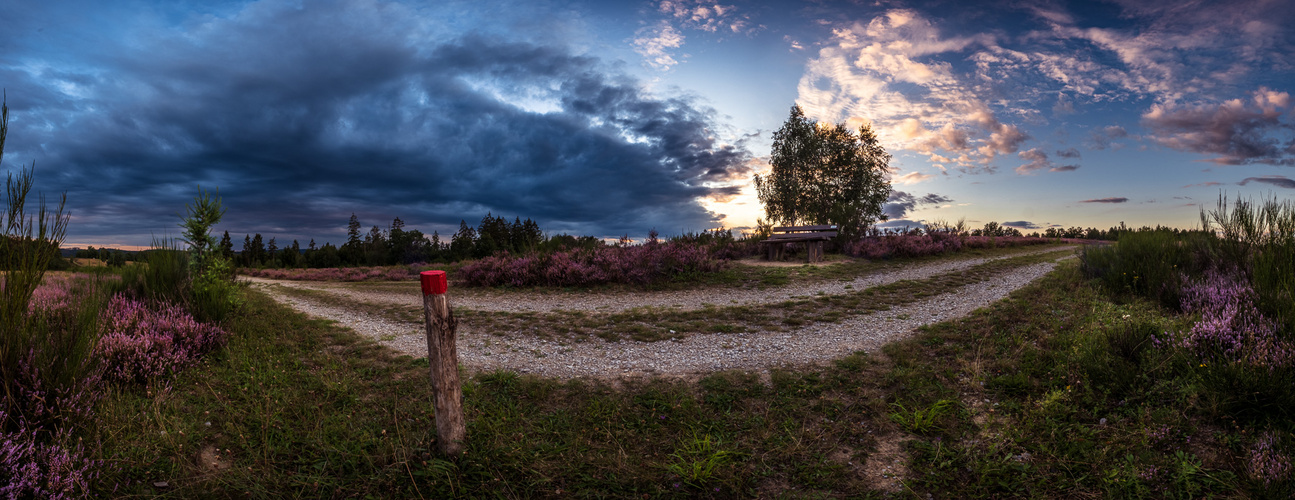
column 655, row 44
column 866, row 76
column 911, row 178
column 705, row 16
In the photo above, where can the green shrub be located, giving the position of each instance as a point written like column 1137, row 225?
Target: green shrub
column 1148, row 263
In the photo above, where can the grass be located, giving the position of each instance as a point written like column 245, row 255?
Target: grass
column 1050, row 393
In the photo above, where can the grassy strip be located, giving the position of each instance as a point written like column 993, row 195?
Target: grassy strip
column 1008, row 402
column 649, row 324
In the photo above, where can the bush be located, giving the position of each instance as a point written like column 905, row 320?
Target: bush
column 643, row 264
column 907, row 245
column 141, row 342
column 1148, row 263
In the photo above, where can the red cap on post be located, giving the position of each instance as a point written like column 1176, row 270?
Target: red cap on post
column 434, row 282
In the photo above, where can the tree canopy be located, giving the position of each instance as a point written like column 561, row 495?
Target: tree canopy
column 824, row 174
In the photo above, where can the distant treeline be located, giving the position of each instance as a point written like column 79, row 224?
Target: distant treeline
column 397, row 245
column 1112, row 234
column 110, row 256
column 999, row 230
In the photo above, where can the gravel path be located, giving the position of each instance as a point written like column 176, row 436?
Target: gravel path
column 520, row 301
column 697, row 354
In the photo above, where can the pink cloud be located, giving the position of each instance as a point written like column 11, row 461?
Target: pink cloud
column 1239, row 131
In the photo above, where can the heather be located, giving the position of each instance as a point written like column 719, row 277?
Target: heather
column 381, row 273
column 906, row 245
column 140, row 342
column 651, row 262
column 1231, row 283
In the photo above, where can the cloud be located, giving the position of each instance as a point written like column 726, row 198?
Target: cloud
column 358, row 108
column 1038, row 160
column 1103, row 138
column 1204, row 184
column 1172, row 53
column 706, row 16
column 961, row 90
column 1106, row 200
column 1022, row 224
column 1274, row 180
column 888, row 73
column 1068, row 153
column 900, row 203
column 655, row 43
column 911, row 178
column 1239, row 131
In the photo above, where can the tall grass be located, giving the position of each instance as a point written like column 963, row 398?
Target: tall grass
column 1149, row 263
column 1258, row 239
column 162, row 274
column 47, row 368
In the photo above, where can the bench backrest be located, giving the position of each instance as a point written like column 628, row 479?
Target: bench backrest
column 798, row 229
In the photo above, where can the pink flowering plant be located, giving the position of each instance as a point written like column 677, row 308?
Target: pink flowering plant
column 1231, row 329
column 650, row 262
column 141, row 341
column 897, row 245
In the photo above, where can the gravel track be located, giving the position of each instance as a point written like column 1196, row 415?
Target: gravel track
column 480, row 299
column 482, row 351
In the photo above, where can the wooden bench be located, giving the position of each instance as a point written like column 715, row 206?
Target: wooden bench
column 812, row 236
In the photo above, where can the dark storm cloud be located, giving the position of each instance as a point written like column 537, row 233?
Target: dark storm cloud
column 900, row 203
column 1107, row 200
column 1275, row 180
column 1022, row 224
column 303, row 116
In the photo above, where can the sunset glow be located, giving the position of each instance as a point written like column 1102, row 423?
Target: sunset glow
column 601, row 119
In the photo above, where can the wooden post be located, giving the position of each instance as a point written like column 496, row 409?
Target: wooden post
column 443, row 356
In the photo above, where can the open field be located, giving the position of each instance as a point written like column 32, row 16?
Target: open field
column 999, row 403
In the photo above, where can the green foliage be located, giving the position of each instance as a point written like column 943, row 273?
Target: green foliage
column 698, row 459
column 923, row 420
column 210, row 274
column 825, row 175
column 161, row 274
column 1148, row 263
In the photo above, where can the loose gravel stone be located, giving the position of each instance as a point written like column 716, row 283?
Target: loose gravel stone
column 486, row 299
column 483, row 351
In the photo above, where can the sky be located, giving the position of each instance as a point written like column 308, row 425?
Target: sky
column 615, row 118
